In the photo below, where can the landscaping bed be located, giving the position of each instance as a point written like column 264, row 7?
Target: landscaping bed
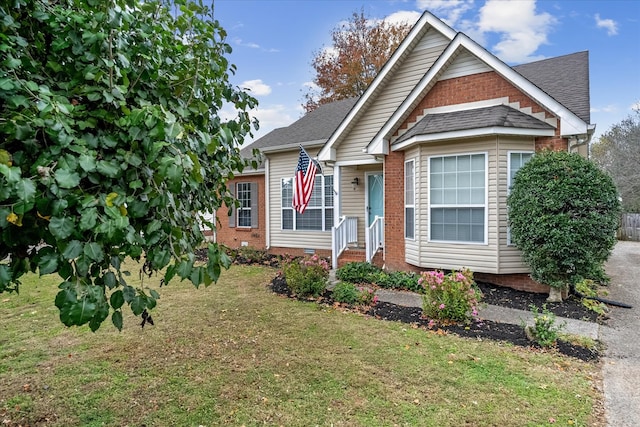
column 495, row 295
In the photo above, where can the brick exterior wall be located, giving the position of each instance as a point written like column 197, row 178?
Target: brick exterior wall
column 472, row 88
column 234, row 236
column 325, row 253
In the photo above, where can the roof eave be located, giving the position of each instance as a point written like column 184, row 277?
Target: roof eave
column 471, row 133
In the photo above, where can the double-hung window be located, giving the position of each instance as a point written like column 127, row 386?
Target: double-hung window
column 245, row 215
column 409, row 199
column 516, row 160
column 318, row 215
column 458, row 198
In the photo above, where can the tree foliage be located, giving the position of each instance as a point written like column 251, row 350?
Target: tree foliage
column 563, row 214
column 111, row 145
column 618, row 153
column 360, row 49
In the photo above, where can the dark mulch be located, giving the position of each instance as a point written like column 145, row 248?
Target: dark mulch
column 513, row 334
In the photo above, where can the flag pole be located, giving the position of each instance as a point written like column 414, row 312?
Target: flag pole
column 313, row 160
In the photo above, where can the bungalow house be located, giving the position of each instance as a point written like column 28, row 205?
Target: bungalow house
column 417, row 170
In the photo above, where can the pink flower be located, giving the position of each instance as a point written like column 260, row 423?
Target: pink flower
column 441, row 306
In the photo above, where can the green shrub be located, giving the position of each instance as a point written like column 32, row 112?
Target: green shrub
column 348, row 293
column 545, row 331
column 358, row 272
column 563, row 214
column 399, row 280
column 306, row 277
column 345, row 292
column 451, row 297
column 250, row 254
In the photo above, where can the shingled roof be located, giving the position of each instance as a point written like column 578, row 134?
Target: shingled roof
column 478, row 118
column 316, row 126
column 564, row 78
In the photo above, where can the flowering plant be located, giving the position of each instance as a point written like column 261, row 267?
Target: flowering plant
column 306, row 276
column 450, row 297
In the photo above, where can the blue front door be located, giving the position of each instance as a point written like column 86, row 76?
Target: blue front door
column 375, row 200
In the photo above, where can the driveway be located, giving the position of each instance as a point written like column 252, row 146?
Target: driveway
column 621, row 368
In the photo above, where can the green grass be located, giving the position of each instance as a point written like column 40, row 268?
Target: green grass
column 236, row 354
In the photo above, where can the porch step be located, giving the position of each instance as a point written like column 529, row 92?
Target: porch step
column 351, row 255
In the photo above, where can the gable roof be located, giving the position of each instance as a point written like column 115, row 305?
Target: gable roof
column 500, row 119
column 570, row 123
column 565, row 78
column 426, row 21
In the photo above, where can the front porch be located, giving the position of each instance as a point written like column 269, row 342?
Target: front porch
column 345, row 245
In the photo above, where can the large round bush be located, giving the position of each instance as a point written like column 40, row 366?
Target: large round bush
column 563, row 214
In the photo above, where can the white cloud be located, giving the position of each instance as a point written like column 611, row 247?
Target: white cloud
column 256, row 87
column 522, row 30
column 635, row 106
column 403, row 17
column 611, row 108
column 609, row 24
column 271, row 117
column 449, row 11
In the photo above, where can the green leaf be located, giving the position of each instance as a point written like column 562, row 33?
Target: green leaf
column 138, row 304
column 61, row 228
column 88, row 219
column 116, row 300
column 87, row 162
column 67, row 179
column 109, row 279
column 129, row 293
column 108, row 169
column 6, row 84
column 48, row 263
column 116, row 318
column 154, row 294
column 72, row 250
column 94, row 251
column 81, row 312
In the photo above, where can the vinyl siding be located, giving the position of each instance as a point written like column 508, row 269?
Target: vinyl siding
column 412, row 246
column 463, row 65
column 353, row 200
column 510, row 256
column 399, row 85
column 282, row 165
column 496, row 256
column 477, row 257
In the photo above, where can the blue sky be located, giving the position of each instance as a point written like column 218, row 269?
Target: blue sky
column 274, row 41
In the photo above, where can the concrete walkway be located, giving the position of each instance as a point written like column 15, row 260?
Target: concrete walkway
column 621, row 364
column 501, row 314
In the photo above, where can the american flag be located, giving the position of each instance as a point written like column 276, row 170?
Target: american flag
column 303, row 181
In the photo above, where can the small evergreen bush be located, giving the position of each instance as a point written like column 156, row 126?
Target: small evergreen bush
column 563, row 214
column 545, row 330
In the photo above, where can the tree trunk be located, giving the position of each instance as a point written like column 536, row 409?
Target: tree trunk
column 555, row 294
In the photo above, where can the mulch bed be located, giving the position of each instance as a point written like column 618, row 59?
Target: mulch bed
column 489, row 330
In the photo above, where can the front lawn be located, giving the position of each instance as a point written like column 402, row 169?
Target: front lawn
column 237, row 354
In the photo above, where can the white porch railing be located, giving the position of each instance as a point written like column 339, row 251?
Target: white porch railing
column 345, row 232
column 374, row 237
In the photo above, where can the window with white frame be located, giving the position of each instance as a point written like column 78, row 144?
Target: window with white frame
column 516, row 160
column 318, row 215
column 409, row 199
column 457, row 196
column 243, row 194
column 245, row 215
